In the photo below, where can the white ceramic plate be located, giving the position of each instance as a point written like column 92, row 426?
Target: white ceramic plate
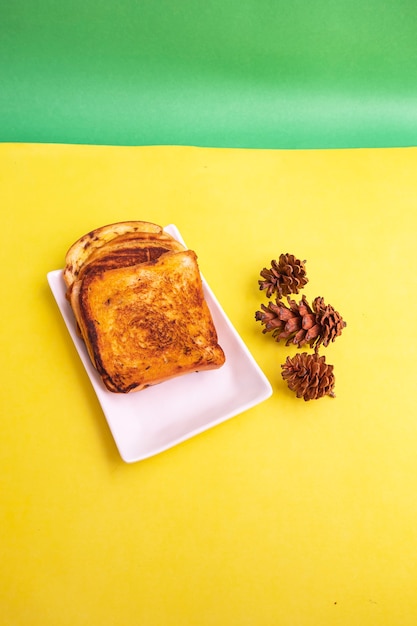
column 147, row 422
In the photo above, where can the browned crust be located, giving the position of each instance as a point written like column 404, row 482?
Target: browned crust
column 81, row 249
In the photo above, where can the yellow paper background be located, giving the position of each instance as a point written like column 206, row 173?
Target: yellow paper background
column 291, row 514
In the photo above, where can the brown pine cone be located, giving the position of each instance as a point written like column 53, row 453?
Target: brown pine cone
column 309, row 376
column 285, row 277
column 301, row 324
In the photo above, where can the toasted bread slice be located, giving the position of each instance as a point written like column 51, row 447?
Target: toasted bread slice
column 146, row 323
column 82, row 249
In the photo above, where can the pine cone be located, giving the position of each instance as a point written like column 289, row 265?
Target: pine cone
column 301, row 324
column 309, row 376
column 285, row 277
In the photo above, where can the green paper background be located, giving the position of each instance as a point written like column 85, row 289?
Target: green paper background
column 247, row 73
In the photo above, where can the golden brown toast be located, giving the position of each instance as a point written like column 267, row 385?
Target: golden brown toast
column 79, row 253
column 138, row 301
column 146, row 323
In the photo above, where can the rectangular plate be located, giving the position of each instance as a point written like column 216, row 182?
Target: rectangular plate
column 145, row 423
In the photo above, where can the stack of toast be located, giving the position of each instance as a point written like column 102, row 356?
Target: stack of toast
column 138, row 301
